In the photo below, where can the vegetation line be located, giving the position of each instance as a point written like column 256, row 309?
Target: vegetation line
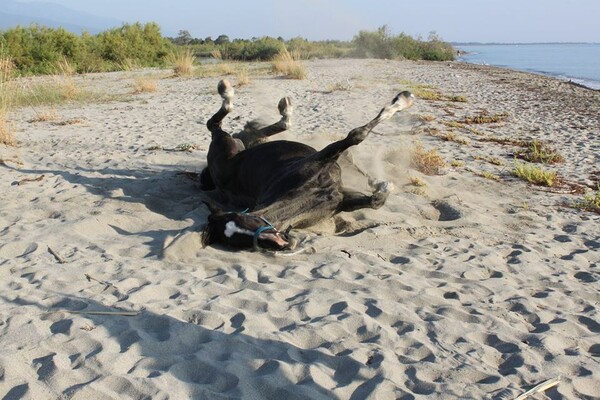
column 41, row 50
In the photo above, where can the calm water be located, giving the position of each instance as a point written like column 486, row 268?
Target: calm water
column 577, row 62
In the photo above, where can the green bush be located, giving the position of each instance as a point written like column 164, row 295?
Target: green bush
column 381, row 44
column 38, row 50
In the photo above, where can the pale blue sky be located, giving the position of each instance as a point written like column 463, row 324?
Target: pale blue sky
column 453, row 20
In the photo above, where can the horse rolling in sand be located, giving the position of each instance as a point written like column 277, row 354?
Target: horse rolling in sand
column 281, row 184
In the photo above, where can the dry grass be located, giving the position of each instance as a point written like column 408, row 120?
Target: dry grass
column 429, row 162
column 144, row 85
column 70, row 121
column 491, row 160
column 242, row 78
column 289, row 65
column 7, row 93
column 539, row 152
column 430, row 92
column 457, row 99
column 536, row 175
column 457, row 163
column 64, row 67
column 426, row 118
column 451, row 137
column 340, row 86
column 182, row 62
column 487, row 175
column 416, row 181
column 505, row 140
column 418, row 186
column 45, row 116
column 485, row 119
column 128, row 65
column 459, row 125
column 590, row 202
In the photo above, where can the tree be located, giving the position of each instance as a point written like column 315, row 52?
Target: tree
column 222, row 39
column 184, row 37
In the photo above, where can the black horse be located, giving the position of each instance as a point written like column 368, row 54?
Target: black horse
column 281, row 184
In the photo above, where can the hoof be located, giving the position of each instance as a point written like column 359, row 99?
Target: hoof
column 285, row 106
column 225, row 89
column 403, row 100
column 384, row 187
column 381, row 193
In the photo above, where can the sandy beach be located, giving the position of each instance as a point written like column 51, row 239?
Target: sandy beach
column 471, row 284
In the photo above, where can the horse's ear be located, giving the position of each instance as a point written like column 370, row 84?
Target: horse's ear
column 213, row 208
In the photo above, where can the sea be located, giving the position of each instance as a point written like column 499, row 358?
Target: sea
column 576, row 62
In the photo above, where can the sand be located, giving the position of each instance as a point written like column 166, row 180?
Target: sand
column 465, row 288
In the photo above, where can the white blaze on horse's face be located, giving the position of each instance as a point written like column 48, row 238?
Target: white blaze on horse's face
column 231, row 229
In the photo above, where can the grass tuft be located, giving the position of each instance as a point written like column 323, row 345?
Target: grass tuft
column 7, row 94
column 242, row 78
column 536, row 175
column 144, row 85
column 45, row 116
column 590, row 202
column 182, row 62
column 289, row 65
column 429, row 162
column 539, row 152
column 485, row 119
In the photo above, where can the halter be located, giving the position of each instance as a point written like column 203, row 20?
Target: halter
column 259, row 230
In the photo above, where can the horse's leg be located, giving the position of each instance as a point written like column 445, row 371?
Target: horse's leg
column 206, row 180
column 222, row 146
column 226, row 92
column 355, row 200
column 357, row 135
column 252, row 137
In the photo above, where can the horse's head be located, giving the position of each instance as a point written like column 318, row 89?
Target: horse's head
column 243, row 230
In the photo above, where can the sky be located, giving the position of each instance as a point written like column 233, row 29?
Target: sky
column 453, row 20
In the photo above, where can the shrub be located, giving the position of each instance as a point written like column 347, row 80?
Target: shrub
column 41, row 50
column 182, row 62
column 536, row 175
column 289, row 65
column 540, row 153
column 590, row 202
column 381, row 44
column 429, row 162
column 144, row 85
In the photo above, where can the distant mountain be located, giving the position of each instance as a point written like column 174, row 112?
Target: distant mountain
column 52, row 15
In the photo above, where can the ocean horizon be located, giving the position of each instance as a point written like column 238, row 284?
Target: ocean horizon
column 575, row 62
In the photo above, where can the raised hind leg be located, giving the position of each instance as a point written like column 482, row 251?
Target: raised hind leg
column 357, row 135
column 251, row 136
column 355, row 200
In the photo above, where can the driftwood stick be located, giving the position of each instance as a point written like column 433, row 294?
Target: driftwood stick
column 56, row 255
column 105, row 283
column 26, row 180
column 542, row 387
column 122, row 313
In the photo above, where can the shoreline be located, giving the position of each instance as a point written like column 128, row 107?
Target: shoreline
column 581, row 82
column 467, row 284
column 592, row 83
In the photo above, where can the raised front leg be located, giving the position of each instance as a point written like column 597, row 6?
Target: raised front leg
column 354, row 200
column 332, row 152
column 226, row 92
column 222, row 146
column 252, row 136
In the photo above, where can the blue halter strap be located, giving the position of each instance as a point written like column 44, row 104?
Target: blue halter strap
column 259, row 230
